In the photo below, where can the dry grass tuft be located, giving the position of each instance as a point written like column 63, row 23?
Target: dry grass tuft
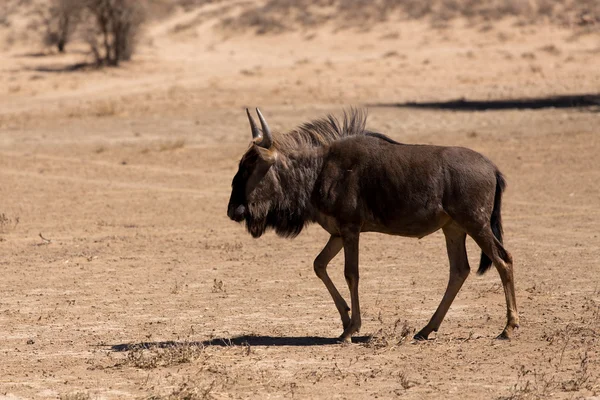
column 172, row 145
column 218, row 286
column 531, row 384
column 389, row 337
column 150, row 357
column 169, row 145
column 188, row 391
column 7, row 223
column 105, row 109
column 404, row 381
column 551, row 49
column 583, row 378
column 75, row 396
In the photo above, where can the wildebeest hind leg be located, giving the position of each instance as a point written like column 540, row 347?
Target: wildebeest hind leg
column 331, row 249
column 503, row 262
column 459, row 271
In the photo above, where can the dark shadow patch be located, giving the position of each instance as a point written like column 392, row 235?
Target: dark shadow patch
column 49, row 53
column 567, row 101
column 63, row 68
column 244, row 340
column 34, row 55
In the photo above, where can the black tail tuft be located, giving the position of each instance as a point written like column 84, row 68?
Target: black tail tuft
column 495, row 222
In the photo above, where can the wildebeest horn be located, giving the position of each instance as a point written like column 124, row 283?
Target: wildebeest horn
column 267, row 139
column 255, row 132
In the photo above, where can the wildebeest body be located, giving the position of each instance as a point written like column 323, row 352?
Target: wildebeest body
column 401, row 189
column 351, row 180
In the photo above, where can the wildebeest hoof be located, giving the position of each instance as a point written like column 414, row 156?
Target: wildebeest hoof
column 508, row 332
column 503, row 336
column 421, row 335
column 345, row 339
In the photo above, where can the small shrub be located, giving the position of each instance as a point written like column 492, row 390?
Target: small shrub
column 113, row 29
column 60, row 22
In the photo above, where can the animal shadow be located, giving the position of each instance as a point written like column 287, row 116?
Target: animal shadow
column 244, row 340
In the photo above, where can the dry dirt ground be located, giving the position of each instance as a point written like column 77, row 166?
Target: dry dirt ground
column 122, row 277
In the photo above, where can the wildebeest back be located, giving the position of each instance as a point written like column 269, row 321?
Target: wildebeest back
column 367, row 178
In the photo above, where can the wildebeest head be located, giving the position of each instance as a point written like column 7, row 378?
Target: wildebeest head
column 253, row 189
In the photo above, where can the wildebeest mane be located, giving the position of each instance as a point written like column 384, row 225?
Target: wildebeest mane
column 324, row 131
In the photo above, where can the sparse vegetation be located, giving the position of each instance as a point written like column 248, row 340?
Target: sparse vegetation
column 541, row 380
column 276, row 16
column 111, row 28
column 531, row 384
column 60, row 21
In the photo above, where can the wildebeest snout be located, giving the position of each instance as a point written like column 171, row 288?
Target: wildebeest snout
column 236, row 213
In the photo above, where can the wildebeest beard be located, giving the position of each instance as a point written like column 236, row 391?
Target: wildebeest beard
column 286, row 222
column 256, row 227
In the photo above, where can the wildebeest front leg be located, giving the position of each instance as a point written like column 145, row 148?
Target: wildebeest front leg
column 351, row 274
column 459, row 271
column 331, row 249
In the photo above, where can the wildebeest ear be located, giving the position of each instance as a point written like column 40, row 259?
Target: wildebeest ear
column 267, row 155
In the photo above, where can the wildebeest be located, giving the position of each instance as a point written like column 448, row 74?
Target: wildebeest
column 351, row 180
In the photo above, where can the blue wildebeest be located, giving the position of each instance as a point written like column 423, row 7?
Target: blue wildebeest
column 350, row 180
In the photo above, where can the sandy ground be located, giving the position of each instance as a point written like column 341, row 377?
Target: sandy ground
column 121, row 272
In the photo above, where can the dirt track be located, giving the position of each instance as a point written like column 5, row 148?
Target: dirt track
column 126, row 174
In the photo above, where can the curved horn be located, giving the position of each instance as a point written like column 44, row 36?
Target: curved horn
column 255, row 132
column 267, row 139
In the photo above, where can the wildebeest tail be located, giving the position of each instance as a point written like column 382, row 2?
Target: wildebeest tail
column 495, row 222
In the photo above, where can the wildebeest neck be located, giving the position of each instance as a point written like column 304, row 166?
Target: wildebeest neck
column 295, row 178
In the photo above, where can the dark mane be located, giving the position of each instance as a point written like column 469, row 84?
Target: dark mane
column 324, row 131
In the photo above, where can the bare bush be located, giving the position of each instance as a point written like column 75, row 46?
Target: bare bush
column 59, row 21
column 113, row 29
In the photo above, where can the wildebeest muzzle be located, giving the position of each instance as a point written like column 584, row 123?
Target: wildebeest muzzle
column 236, row 213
